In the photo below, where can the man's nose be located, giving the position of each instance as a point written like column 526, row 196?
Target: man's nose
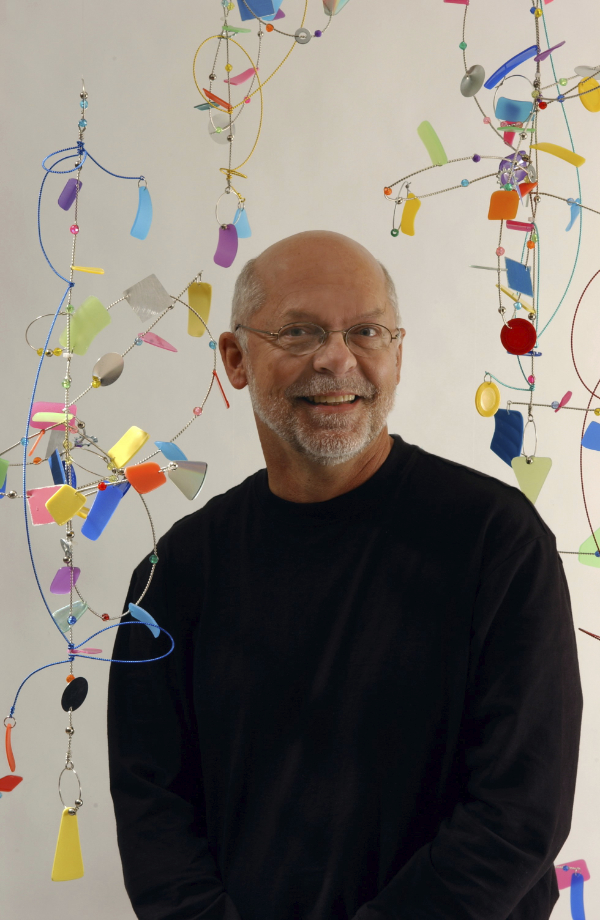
column 334, row 356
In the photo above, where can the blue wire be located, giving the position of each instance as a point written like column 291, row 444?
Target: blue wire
column 62, row 172
column 35, row 383
column 94, row 658
column 39, row 225
column 112, row 173
column 523, row 389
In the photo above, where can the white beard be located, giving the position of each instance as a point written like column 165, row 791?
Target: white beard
column 332, row 438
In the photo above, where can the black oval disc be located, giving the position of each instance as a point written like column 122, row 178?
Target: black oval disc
column 74, row 694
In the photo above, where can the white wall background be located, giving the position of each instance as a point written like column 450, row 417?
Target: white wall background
column 340, row 123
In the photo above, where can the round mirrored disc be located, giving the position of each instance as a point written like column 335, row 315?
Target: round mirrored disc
column 472, row 81
column 218, row 128
column 108, row 368
column 584, row 71
column 487, row 398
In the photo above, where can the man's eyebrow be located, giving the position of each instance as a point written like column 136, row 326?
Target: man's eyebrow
column 293, row 315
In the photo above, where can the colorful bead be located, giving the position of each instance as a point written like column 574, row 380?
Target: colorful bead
column 507, row 187
column 66, row 383
column 518, row 305
column 212, row 344
column 464, row 182
column 462, row 46
column 82, row 123
column 24, row 441
column 269, row 27
column 70, row 308
column 531, row 379
column 537, row 14
column 532, row 10
column 70, row 677
column 542, row 105
column 197, row 410
column 138, row 341
column 560, row 98
column 317, row 33
column 40, row 352
column 563, row 81
column 74, row 229
column 596, row 411
column 535, row 94
column 105, row 617
column 487, row 120
column 500, row 251
column 387, row 190
column 394, row 232
column 476, row 158
column 247, row 99
column 71, row 620
column 530, row 244
column 555, row 404
column 57, row 352
column 37, row 460
column 84, row 103
column 153, row 558
column 96, row 382
column 228, row 67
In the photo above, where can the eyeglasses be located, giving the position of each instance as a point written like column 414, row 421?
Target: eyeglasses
column 306, row 338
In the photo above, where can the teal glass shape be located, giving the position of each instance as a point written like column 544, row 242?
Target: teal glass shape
column 105, row 505
column 62, row 615
column 170, row 451
column 143, row 218
column 513, row 109
column 144, row 617
column 241, row 224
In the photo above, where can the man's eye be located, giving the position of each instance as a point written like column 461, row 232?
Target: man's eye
column 367, row 331
column 296, row 332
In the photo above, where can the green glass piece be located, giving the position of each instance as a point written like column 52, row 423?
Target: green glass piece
column 90, row 319
column 433, row 145
column 61, row 616
column 234, row 29
column 4, row 465
column 590, row 546
column 531, row 476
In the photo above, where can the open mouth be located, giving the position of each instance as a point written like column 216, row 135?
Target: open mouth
column 330, row 399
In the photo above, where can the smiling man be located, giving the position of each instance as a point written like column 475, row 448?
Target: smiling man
column 374, row 705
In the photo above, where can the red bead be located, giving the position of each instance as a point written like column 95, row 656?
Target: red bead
column 105, row 617
column 530, row 244
column 101, row 486
column 270, row 28
column 198, row 410
column 387, row 191
column 542, row 105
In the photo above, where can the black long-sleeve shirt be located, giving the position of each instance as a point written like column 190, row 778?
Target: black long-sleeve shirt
column 372, row 711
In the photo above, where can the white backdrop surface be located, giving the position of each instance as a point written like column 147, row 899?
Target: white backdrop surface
column 340, row 123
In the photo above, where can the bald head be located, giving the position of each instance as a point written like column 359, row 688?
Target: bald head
column 314, row 256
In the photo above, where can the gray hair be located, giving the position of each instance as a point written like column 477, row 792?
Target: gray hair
column 249, row 295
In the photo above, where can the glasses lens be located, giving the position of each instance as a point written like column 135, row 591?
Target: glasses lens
column 300, row 338
column 368, row 337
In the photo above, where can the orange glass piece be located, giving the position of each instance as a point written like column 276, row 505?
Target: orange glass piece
column 8, row 783
column 218, row 100
column 145, row 477
column 526, row 187
column 503, row 205
column 9, row 751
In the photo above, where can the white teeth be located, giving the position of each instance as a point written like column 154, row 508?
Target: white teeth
column 332, row 400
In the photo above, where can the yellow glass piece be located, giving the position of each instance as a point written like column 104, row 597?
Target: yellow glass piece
column 591, row 100
column 531, row 476
column 199, row 297
column 83, row 512
column 51, row 417
column 87, row 321
column 232, row 172
column 128, row 446
column 68, row 861
column 525, row 306
column 409, row 212
column 90, row 271
column 64, row 504
column 557, row 151
column 487, row 398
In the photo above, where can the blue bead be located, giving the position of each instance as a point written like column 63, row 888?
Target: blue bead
column 464, row 182
column 212, row 344
column 138, row 341
column 555, row 404
column 561, row 98
column 71, row 621
column 596, row 553
column 518, row 305
column 532, row 10
column 83, row 123
column 23, row 441
column 83, row 104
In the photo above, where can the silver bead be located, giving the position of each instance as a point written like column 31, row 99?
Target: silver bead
column 501, row 309
column 531, row 316
column 70, row 730
column 48, row 353
column 70, row 534
column 72, row 811
column 66, row 559
column 79, row 802
column 11, row 494
column 81, row 425
column 212, row 76
column 83, row 94
column 230, row 137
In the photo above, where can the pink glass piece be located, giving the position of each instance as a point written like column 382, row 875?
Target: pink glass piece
column 227, row 247
column 509, row 137
column 545, row 54
column 464, row 2
column 563, row 877
column 45, row 407
column 519, row 225
column 241, row 77
column 564, row 400
column 36, row 499
column 86, row 651
column 152, row 339
column 61, row 583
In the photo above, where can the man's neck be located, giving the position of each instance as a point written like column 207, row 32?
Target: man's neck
column 297, row 478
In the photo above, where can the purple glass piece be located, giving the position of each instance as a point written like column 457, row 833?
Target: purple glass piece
column 520, row 172
column 228, row 246
column 69, row 193
column 545, row 54
column 279, row 15
column 61, row 583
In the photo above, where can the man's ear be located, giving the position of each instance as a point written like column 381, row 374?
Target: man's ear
column 399, row 356
column 233, row 360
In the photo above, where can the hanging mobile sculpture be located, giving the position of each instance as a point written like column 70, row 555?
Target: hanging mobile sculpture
column 58, row 427
column 516, row 123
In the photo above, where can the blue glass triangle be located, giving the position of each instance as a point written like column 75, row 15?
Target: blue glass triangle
column 144, row 617
column 591, row 438
column 170, row 451
column 508, row 435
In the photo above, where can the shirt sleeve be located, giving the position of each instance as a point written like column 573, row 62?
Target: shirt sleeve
column 155, row 766
column 519, row 752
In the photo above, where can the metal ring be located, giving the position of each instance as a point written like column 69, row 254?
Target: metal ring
column 14, row 721
column 143, row 179
column 62, row 313
column 511, row 77
column 226, row 192
column 302, row 36
column 74, row 771
column 530, row 457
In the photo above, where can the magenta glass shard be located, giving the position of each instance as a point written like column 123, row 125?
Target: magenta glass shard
column 152, row 339
column 227, row 247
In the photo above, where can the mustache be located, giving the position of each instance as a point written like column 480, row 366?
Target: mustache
column 317, row 386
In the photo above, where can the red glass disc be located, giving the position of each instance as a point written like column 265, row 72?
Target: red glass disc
column 518, row 336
